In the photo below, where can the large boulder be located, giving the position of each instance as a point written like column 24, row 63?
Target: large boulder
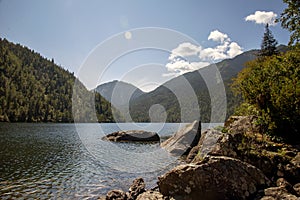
column 132, row 136
column 210, row 141
column 242, row 124
column 183, row 140
column 215, row 177
column 215, row 143
column 243, row 141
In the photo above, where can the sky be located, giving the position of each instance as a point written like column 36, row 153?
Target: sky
column 74, row 34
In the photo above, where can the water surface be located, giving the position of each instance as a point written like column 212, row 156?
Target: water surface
column 70, row 161
column 51, row 161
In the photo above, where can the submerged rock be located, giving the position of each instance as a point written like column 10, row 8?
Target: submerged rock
column 183, row 140
column 132, row 136
column 216, row 177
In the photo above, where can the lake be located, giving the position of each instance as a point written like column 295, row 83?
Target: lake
column 70, row 161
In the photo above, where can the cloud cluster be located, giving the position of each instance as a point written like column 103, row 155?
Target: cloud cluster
column 262, row 17
column 217, row 36
column 185, row 49
column 189, row 57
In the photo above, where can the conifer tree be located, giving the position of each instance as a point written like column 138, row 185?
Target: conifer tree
column 290, row 20
column 269, row 43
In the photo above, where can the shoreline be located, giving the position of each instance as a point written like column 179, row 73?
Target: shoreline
column 237, row 162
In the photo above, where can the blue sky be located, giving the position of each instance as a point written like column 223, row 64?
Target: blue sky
column 69, row 30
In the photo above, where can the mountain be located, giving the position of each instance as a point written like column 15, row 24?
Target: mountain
column 199, row 91
column 175, row 98
column 118, row 92
column 34, row 89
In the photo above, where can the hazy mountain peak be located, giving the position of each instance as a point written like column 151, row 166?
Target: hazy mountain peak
column 118, row 92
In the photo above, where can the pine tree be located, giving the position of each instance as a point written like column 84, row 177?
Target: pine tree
column 268, row 45
column 290, row 20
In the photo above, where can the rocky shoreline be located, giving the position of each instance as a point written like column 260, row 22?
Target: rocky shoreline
column 237, row 162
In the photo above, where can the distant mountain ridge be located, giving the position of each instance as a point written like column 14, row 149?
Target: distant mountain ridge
column 164, row 94
column 119, row 92
column 122, row 94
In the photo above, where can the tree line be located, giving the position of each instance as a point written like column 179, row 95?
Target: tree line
column 35, row 89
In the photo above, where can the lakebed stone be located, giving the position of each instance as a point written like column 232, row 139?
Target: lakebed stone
column 132, row 136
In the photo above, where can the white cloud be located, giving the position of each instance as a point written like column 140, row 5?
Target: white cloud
column 182, row 58
column 262, row 17
column 198, row 65
column 212, row 54
column 179, row 66
column 185, row 49
column 226, row 49
column 234, row 50
column 217, row 36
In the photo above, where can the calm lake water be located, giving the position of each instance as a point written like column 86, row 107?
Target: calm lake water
column 70, row 161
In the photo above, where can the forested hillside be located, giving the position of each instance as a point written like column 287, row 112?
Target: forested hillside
column 34, row 89
column 164, row 94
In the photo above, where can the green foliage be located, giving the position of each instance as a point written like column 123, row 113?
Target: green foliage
column 268, row 45
column 272, row 86
column 290, row 20
column 246, row 109
column 34, row 89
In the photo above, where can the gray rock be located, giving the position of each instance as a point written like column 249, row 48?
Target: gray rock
column 152, row 195
column 183, row 140
column 216, row 177
column 296, row 160
column 279, row 193
column 281, row 182
column 296, row 188
column 210, row 143
column 267, row 198
column 132, row 136
column 136, row 188
column 292, row 169
column 116, row 195
column 242, row 124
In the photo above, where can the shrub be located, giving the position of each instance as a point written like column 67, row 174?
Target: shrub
column 272, row 86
